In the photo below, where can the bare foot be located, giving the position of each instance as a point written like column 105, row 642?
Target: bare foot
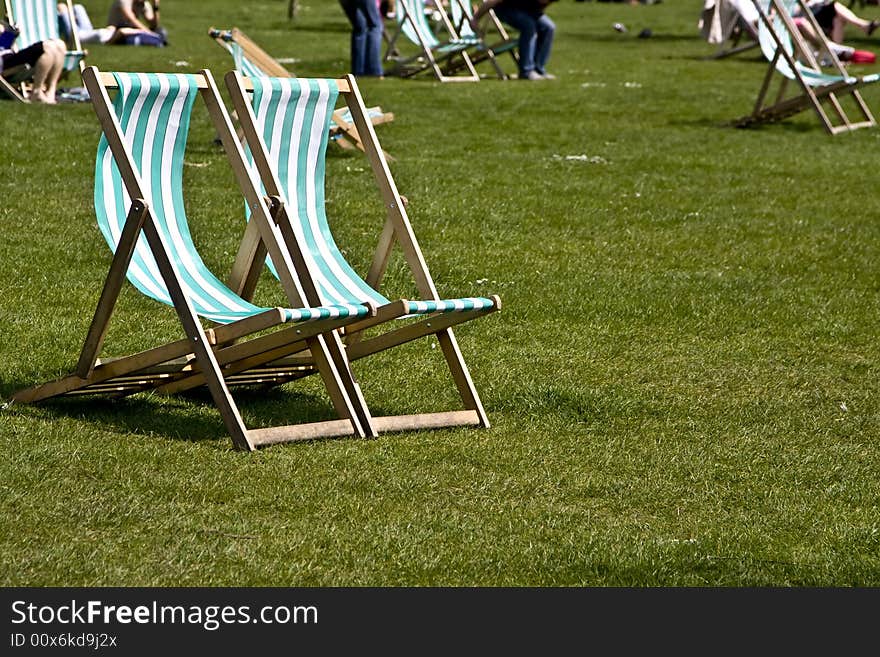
column 39, row 96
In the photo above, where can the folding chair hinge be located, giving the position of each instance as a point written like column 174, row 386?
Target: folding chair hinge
column 275, row 204
column 210, row 337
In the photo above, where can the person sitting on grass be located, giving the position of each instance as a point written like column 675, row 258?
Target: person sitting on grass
column 45, row 57
column 535, row 32
column 107, row 35
column 833, row 17
column 137, row 14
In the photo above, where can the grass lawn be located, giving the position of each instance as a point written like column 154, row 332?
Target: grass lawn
column 682, row 383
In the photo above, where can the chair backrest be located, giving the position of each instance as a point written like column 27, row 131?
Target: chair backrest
column 250, row 59
column 292, row 117
column 417, row 30
column 242, row 64
column 460, row 12
column 153, row 111
column 38, row 21
column 789, row 62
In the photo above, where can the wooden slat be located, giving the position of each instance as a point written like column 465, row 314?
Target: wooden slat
column 112, row 285
column 427, row 326
column 296, row 432
column 342, row 83
column 109, row 82
column 427, row 421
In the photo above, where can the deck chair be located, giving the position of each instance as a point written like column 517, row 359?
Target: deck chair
column 38, row 21
column 140, row 212
column 11, row 80
column 251, row 60
column 448, row 59
column 731, row 25
column 792, row 60
column 284, row 124
column 493, row 42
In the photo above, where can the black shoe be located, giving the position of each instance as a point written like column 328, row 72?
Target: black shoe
column 873, row 26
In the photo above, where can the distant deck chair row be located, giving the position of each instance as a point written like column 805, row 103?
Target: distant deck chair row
column 450, row 55
column 140, row 209
column 37, row 20
column 253, row 61
column 792, row 60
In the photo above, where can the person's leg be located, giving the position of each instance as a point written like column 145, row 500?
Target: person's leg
column 546, row 30
column 522, row 21
column 55, row 50
column 64, row 26
column 373, row 41
column 358, row 35
column 81, row 16
column 44, row 78
column 84, row 28
column 844, row 16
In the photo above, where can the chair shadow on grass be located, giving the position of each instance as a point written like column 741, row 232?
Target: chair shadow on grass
column 189, row 416
column 730, row 124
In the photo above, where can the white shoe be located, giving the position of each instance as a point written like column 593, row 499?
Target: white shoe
column 532, row 76
column 548, row 76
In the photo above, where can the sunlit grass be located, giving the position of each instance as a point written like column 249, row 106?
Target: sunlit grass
column 682, row 383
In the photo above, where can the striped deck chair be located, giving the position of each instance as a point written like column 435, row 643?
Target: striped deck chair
column 493, row 42
column 11, row 80
column 38, row 21
column 730, row 25
column 285, row 126
column 448, row 59
column 252, row 61
column 140, row 212
column 792, row 60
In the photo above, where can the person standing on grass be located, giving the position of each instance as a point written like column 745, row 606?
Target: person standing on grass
column 366, row 36
column 535, row 32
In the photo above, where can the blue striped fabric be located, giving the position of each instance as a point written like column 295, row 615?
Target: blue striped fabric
column 292, row 116
column 812, row 76
column 154, row 113
column 38, row 21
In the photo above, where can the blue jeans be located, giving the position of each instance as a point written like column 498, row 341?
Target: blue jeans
column 366, row 36
column 535, row 37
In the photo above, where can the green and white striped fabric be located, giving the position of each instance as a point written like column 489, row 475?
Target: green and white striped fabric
column 812, row 76
column 154, row 113
column 460, row 11
column 38, row 21
column 292, row 117
column 242, row 64
column 420, row 26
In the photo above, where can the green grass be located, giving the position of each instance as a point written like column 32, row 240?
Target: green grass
column 682, row 383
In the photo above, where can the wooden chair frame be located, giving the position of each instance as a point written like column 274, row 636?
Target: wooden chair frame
column 771, row 108
column 444, row 65
column 397, row 230
column 11, row 81
column 217, row 357
column 489, row 48
column 738, row 34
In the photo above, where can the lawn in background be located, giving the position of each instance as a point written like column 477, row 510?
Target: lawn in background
column 682, row 383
